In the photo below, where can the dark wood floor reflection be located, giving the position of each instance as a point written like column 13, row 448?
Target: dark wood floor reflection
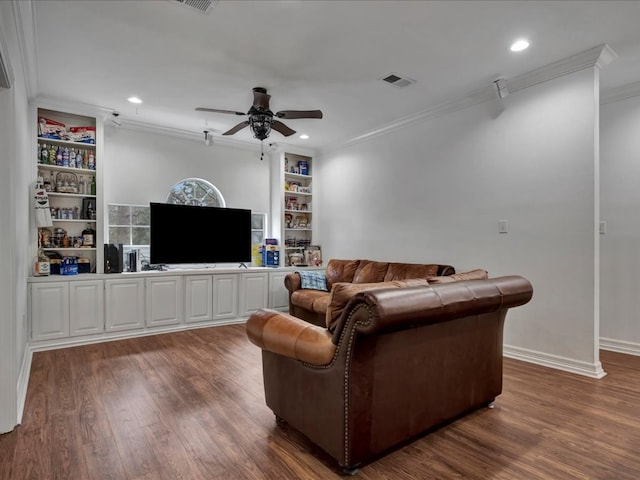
column 190, row 405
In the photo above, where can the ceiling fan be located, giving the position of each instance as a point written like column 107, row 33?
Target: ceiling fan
column 261, row 119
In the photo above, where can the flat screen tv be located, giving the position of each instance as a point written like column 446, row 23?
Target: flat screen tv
column 181, row 234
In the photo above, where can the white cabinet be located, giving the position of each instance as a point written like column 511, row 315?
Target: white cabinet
column 254, row 289
column 67, row 154
column 278, row 293
column 124, row 304
column 49, row 310
column 164, row 298
column 86, row 307
column 225, row 296
column 66, row 309
column 198, row 298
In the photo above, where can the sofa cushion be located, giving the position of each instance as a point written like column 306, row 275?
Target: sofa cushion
column 313, row 279
column 477, row 274
column 369, row 271
column 341, row 293
column 306, row 298
column 340, row 271
column 400, row 271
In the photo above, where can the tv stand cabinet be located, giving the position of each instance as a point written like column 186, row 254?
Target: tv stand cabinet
column 69, row 310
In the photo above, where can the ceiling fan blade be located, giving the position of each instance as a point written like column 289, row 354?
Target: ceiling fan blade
column 282, row 128
column 237, row 128
column 261, row 99
column 215, row 110
column 299, row 114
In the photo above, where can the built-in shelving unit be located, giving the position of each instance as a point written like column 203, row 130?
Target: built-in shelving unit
column 297, row 207
column 66, row 155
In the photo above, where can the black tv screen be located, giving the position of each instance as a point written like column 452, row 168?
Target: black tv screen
column 194, row 234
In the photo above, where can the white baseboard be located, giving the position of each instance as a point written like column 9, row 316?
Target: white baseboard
column 593, row 370
column 620, row 346
column 23, row 382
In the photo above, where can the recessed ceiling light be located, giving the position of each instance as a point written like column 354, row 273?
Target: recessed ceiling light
column 304, row 136
column 519, row 45
column 134, row 100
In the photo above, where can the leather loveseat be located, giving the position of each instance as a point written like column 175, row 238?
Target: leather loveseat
column 311, row 304
column 397, row 363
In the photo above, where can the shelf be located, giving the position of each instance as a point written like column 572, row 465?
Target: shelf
column 296, row 175
column 58, row 168
column 298, row 229
column 73, row 220
column 58, row 194
column 298, row 211
column 69, row 249
column 294, row 194
column 69, row 142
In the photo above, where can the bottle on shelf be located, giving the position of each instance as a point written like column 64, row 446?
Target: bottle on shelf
column 88, row 237
column 52, row 154
column 88, row 213
column 79, row 159
column 59, row 156
column 43, row 154
column 65, row 157
column 72, row 158
column 93, row 184
column 91, row 162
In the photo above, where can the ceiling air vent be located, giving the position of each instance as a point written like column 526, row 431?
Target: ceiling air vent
column 397, row 80
column 201, row 5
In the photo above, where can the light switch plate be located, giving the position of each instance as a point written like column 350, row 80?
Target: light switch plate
column 502, row 226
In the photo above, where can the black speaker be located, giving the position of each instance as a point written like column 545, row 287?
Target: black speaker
column 113, row 258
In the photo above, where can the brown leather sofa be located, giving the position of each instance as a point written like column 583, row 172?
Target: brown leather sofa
column 311, row 304
column 398, row 363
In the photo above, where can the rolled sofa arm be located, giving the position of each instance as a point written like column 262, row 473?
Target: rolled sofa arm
column 396, row 309
column 292, row 282
column 286, row 335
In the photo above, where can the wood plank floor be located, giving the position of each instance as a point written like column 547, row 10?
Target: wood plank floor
column 190, row 405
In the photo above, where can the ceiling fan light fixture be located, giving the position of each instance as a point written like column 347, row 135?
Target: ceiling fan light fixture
column 260, row 125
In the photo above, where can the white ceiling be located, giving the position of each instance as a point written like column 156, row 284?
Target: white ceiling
column 326, row 55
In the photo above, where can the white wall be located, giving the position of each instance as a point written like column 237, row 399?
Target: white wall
column 620, row 208
column 435, row 191
column 141, row 167
column 14, row 213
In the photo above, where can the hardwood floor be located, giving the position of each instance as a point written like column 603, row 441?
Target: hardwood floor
column 190, row 405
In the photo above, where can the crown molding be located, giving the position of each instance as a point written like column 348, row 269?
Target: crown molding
column 599, row 56
column 620, row 93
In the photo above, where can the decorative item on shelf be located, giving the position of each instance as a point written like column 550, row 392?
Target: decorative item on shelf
column 58, row 234
column 313, row 255
column 41, row 266
column 288, row 220
column 69, row 266
column 66, row 182
column 44, row 238
column 296, row 259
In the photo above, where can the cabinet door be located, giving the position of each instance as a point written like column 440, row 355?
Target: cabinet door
column 198, row 298
column 164, row 301
column 253, row 292
column 49, row 310
column 278, row 293
column 86, row 307
column 124, row 304
column 225, row 296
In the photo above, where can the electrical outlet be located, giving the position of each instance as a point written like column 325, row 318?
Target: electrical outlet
column 603, row 227
column 502, row 226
